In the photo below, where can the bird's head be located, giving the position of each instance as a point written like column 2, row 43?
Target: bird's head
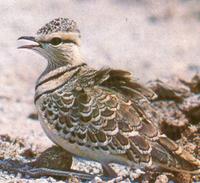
column 58, row 41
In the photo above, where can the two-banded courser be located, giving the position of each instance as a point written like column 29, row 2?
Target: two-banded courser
column 98, row 114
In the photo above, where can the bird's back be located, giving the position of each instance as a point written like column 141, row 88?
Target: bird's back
column 101, row 115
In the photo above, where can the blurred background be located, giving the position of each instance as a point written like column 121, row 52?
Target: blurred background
column 151, row 38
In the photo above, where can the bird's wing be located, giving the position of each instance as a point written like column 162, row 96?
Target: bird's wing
column 103, row 113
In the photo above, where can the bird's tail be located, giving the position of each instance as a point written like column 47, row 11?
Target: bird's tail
column 171, row 156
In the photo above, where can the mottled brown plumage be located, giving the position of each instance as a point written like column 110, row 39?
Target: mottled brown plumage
column 99, row 114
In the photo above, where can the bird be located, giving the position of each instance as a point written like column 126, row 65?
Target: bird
column 98, row 114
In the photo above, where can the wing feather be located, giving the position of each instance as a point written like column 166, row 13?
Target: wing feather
column 105, row 114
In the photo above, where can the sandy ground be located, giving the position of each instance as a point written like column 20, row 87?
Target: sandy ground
column 153, row 39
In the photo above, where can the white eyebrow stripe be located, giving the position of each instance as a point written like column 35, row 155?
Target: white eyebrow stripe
column 74, row 37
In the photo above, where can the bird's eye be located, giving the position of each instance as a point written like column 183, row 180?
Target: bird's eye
column 56, row 41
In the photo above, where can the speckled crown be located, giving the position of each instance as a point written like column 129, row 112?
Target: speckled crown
column 59, row 24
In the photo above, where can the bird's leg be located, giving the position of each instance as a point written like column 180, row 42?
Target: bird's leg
column 108, row 171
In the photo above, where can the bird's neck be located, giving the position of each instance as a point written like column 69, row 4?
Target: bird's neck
column 56, row 78
column 66, row 59
column 53, row 67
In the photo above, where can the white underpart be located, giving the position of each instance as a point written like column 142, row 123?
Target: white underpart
column 97, row 155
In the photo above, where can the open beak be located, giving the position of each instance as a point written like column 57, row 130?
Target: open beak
column 29, row 46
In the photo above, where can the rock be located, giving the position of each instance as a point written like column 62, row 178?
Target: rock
column 54, row 158
column 162, row 179
column 33, row 116
column 194, row 84
column 169, row 91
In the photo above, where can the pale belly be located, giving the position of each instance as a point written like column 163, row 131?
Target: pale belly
column 101, row 156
